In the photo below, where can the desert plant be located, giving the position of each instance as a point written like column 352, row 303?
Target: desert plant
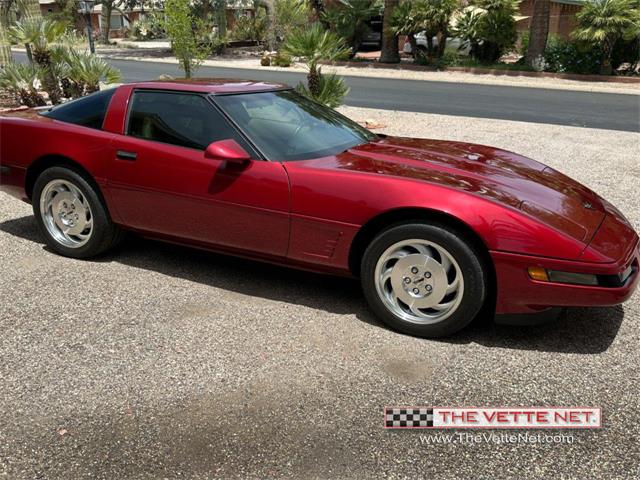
column 312, row 46
column 288, row 16
column 251, row 27
column 281, row 60
column 348, row 19
column 182, row 28
column 22, row 81
column 488, row 27
column 331, row 92
column 40, row 33
column 149, row 28
column 430, row 16
column 80, row 72
column 604, row 23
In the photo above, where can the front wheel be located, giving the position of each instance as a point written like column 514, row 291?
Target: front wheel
column 424, row 280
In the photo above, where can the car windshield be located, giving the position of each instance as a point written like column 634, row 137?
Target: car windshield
column 287, row 126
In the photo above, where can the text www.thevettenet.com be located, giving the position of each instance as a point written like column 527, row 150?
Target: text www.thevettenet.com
column 495, row 438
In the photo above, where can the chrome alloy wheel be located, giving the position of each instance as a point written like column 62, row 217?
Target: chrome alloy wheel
column 419, row 281
column 66, row 213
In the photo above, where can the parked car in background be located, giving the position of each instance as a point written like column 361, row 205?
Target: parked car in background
column 453, row 44
column 372, row 39
column 435, row 230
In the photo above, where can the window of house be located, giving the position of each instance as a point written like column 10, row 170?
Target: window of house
column 182, row 119
column 116, row 21
column 87, row 111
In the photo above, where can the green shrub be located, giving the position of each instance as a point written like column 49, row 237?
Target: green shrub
column 21, row 81
column 282, row 60
column 331, row 93
column 184, row 29
column 563, row 56
column 251, row 27
column 149, row 28
column 488, row 27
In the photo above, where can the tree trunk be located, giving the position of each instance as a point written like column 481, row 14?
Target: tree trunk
column 538, row 33
column 5, row 47
column 105, row 14
column 313, row 80
column 607, row 49
column 390, row 51
column 442, row 43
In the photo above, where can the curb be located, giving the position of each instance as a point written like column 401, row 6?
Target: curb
column 489, row 71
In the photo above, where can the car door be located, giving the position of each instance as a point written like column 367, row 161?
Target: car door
column 162, row 183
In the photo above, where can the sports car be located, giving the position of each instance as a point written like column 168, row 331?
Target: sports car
column 437, row 231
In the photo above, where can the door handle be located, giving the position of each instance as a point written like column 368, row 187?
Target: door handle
column 124, row 155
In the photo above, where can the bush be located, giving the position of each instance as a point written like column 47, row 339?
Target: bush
column 626, row 52
column 149, row 28
column 251, row 27
column 331, row 92
column 281, row 60
column 488, row 27
column 22, row 81
column 563, row 56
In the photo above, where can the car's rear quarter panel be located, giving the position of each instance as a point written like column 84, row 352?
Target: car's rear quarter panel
column 27, row 137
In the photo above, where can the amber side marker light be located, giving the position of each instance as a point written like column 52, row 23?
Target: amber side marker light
column 543, row 275
column 538, row 273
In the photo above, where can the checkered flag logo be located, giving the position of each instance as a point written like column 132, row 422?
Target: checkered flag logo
column 408, row 417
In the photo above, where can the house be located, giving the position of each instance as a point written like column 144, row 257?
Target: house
column 120, row 22
column 562, row 17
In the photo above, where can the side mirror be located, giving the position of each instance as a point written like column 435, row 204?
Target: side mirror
column 228, row 150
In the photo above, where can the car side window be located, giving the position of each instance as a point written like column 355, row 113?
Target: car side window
column 87, row 111
column 177, row 118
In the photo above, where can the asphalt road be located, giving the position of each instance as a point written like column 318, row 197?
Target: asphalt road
column 157, row 361
column 559, row 107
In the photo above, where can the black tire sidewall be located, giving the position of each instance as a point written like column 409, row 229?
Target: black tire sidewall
column 102, row 225
column 459, row 246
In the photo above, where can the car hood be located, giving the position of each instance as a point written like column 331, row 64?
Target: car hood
column 498, row 175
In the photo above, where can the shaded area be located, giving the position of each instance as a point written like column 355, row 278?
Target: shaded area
column 581, row 330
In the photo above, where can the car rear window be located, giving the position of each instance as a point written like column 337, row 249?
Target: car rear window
column 87, row 111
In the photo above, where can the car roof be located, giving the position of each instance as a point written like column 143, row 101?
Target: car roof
column 211, row 85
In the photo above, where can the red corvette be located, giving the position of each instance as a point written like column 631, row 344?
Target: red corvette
column 435, row 229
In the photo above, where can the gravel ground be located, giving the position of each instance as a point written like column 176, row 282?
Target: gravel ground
column 164, row 362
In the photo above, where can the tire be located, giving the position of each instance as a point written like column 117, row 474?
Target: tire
column 434, row 268
column 65, row 199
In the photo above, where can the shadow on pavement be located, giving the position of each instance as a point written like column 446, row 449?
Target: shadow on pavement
column 580, row 330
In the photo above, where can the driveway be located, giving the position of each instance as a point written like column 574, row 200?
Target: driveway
column 159, row 361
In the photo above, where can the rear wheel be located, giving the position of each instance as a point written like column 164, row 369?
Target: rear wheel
column 70, row 214
column 424, row 280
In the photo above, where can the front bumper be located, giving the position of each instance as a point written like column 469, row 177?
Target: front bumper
column 518, row 293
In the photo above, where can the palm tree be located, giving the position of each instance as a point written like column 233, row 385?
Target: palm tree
column 348, row 18
column 40, row 33
column 390, row 52
column 538, row 32
column 313, row 45
column 604, row 22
